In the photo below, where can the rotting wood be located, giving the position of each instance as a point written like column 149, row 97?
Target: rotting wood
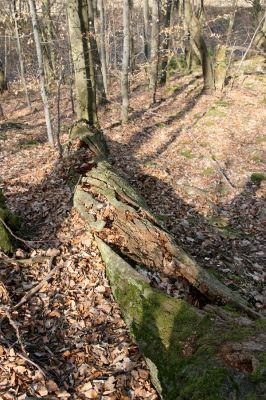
column 211, row 353
column 139, row 236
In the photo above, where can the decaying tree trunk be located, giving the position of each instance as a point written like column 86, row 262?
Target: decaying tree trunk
column 208, row 353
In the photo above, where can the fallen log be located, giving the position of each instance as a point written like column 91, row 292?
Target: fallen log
column 192, row 354
column 202, row 354
column 112, row 208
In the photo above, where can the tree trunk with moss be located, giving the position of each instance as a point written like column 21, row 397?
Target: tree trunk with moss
column 216, row 352
column 83, row 61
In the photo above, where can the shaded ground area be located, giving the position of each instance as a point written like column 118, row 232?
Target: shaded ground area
column 192, row 157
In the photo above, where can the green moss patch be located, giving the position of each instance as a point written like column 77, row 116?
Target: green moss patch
column 215, row 112
column 257, row 177
column 186, row 153
column 208, row 171
column 182, row 346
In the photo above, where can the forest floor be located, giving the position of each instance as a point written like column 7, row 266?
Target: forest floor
column 199, row 161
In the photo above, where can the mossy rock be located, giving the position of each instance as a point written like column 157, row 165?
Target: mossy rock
column 192, row 354
column 11, row 220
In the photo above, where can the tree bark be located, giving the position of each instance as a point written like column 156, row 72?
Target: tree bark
column 36, row 34
column 83, row 61
column 125, row 65
column 154, row 50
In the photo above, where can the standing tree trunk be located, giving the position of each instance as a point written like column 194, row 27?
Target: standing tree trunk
column 20, row 55
column 3, row 84
column 36, row 34
column 102, row 45
column 83, row 61
column 169, row 8
column 146, row 29
column 125, row 66
column 198, row 42
column 154, row 50
column 101, row 95
column 48, row 36
column 260, row 39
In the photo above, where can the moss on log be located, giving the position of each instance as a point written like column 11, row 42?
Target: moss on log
column 192, row 354
column 6, row 219
column 109, row 204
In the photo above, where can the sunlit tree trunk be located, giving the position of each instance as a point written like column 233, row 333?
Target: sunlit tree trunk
column 103, row 45
column 154, row 50
column 83, row 61
column 36, row 34
column 20, row 55
column 194, row 27
column 125, row 66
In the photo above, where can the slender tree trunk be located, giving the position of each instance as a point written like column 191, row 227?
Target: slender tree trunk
column 146, row 28
column 166, row 40
column 154, row 50
column 36, row 34
column 125, row 66
column 5, row 59
column 83, row 61
column 1, row 112
column 260, row 39
column 194, row 26
column 3, row 84
column 101, row 95
column 102, row 45
column 20, row 55
column 49, row 35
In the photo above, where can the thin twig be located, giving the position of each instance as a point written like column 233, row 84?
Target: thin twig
column 36, row 288
column 14, row 325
